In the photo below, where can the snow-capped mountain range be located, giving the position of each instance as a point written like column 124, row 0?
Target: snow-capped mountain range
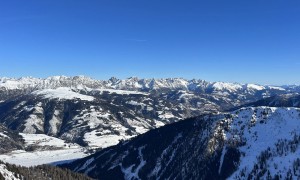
column 98, row 114
column 59, row 119
column 133, row 83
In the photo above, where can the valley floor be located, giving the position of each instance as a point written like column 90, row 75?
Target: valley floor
column 54, row 151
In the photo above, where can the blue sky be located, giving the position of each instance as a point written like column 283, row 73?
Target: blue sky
column 237, row 41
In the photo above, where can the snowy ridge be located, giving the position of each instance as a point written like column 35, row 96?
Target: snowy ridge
column 252, row 142
column 47, row 83
column 259, row 131
column 134, row 83
column 8, row 175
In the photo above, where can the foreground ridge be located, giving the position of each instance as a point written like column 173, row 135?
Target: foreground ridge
column 255, row 142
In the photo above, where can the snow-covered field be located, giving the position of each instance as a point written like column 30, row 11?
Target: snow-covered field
column 59, row 151
column 43, row 157
column 103, row 141
column 44, row 140
column 62, row 93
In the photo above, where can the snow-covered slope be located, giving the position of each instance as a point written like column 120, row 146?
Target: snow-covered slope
column 268, row 139
column 99, row 118
column 6, row 174
column 253, row 142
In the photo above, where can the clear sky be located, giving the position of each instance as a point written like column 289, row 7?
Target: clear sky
column 255, row 41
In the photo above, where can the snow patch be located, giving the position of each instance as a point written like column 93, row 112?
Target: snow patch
column 121, row 91
column 128, row 173
column 3, row 135
column 103, row 141
column 222, row 158
column 54, row 122
column 35, row 158
column 62, row 151
column 6, row 173
column 62, row 93
column 255, row 87
column 44, row 140
column 231, row 87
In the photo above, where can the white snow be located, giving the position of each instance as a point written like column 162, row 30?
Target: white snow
column 222, row 159
column 3, row 135
column 261, row 128
column 277, row 88
column 6, row 173
column 20, row 104
column 63, row 151
column 159, row 124
column 34, row 121
column 121, row 91
column 255, row 87
column 54, row 122
column 86, row 164
column 134, row 103
column 10, row 83
column 129, row 173
column 185, row 94
column 102, row 141
column 44, row 140
column 121, row 86
column 231, row 87
column 31, row 123
column 166, row 115
column 62, row 93
column 28, row 159
column 158, row 166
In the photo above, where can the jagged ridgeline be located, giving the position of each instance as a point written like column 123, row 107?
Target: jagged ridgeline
column 87, row 111
column 249, row 143
column 77, row 114
column 43, row 172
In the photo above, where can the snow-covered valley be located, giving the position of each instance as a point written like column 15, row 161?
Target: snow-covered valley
column 42, row 149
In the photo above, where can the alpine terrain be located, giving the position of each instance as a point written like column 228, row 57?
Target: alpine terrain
column 250, row 143
column 151, row 128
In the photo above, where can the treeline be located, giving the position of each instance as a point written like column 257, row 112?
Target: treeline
column 42, row 172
